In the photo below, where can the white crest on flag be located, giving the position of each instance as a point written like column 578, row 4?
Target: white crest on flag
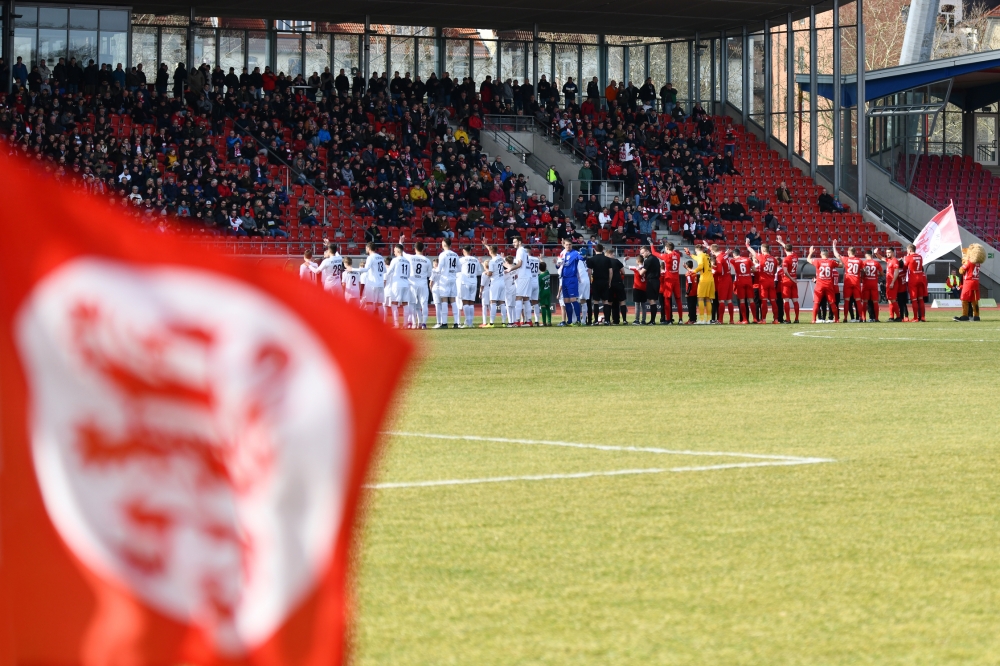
column 940, row 236
column 189, row 434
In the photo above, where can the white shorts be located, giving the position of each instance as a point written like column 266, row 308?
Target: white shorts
column 419, row 291
column 523, row 286
column 510, row 296
column 497, row 291
column 584, row 291
column 534, row 290
column 374, row 295
column 447, row 289
column 467, row 292
column 352, row 296
column 334, row 287
column 436, row 295
column 400, row 292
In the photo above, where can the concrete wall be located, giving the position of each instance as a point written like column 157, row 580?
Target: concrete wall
column 536, row 182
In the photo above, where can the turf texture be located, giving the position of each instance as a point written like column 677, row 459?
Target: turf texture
column 888, row 555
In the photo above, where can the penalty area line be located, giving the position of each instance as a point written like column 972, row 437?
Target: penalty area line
column 587, row 475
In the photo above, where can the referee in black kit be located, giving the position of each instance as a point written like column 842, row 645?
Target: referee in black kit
column 650, row 270
column 601, row 267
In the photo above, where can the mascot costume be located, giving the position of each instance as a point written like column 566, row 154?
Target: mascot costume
column 972, row 258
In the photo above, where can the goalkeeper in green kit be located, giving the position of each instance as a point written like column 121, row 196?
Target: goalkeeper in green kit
column 545, row 294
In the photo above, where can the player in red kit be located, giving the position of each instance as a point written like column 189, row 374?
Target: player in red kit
column 853, row 310
column 916, row 280
column 892, row 275
column 691, row 289
column 870, row 270
column 723, row 272
column 826, row 288
column 789, row 287
column 768, row 267
column 670, row 281
column 743, row 267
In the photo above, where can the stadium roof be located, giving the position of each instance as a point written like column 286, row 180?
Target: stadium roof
column 653, row 18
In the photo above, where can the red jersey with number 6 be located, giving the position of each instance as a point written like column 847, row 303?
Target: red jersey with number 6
column 744, row 270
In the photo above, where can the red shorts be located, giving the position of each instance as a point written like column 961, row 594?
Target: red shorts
column 918, row 288
column 823, row 292
column 869, row 291
column 724, row 290
column 789, row 289
column 669, row 285
column 768, row 291
column 970, row 291
column 852, row 290
column 744, row 290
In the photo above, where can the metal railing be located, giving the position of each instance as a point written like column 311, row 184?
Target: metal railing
column 514, row 147
column 891, row 219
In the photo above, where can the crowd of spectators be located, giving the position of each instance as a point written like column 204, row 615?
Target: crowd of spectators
column 253, row 153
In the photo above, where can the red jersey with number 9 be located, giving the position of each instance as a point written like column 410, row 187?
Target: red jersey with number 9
column 825, row 270
column 852, row 271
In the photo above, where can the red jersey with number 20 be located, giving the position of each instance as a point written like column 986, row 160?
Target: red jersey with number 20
column 825, row 270
column 852, row 271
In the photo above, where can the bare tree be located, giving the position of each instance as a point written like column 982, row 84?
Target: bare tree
column 966, row 36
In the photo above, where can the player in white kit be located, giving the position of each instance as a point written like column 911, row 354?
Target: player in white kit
column 331, row 268
column 352, row 281
column 522, row 281
column 509, row 288
column 467, row 283
column 484, row 292
column 374, row 280
column 448, row 267
column 495, row 271
column 420, row 271
column 534, row 269
column 436, row 289
column 583, row 275
column 398, row 281
column 305, row 268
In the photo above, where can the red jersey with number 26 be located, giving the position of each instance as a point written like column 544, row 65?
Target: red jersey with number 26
column 852, row 270
column 744, row 270
column 825, row 270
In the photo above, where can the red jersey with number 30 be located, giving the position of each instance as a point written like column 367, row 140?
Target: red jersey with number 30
column 825, row 270
column 852, row 271
column 914, row 266
column 768, row 267
column 869, row 271
column 744, row 270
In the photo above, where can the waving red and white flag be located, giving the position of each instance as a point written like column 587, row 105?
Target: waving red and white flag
column 184, row 441
column 940, row 236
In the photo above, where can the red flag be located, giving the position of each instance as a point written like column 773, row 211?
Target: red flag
column 939, row 236
column 184, row 441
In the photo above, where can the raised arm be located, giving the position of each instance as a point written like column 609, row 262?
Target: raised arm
column 810, row 255
column 837, row 254
column 753, row 252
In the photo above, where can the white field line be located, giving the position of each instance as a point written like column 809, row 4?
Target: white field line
column 771, row 461
column 817, row 334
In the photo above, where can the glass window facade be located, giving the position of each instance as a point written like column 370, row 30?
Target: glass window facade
column 51, row 32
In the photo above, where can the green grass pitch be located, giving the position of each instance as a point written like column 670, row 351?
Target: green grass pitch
column 890, row 554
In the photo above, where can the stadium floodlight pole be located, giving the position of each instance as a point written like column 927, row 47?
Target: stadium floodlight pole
column 836, row 100
column 712, row 80
column 747, row 77
column 697, row 68
column 366, row 53
column 768, row 84
column 862, row 149
column 8, row 43
column 534, row 60
column 790, row 88
column 189, row 51
column 723, row 71
column 813, row 83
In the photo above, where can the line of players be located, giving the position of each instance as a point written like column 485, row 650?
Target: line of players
column 517, row 287
column 755, row 279
column 514, row 286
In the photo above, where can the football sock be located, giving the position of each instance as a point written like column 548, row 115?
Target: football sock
column 470, row 314
column 796, row 305
column 763, row 311
column 652, row 313
column 535, row 312
column 836, row 312
column 788, row 311
column 607, row 312
column 395, row 315
column 816, row 306
column 518, row 306
column 581, row 311
column 729, row 307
